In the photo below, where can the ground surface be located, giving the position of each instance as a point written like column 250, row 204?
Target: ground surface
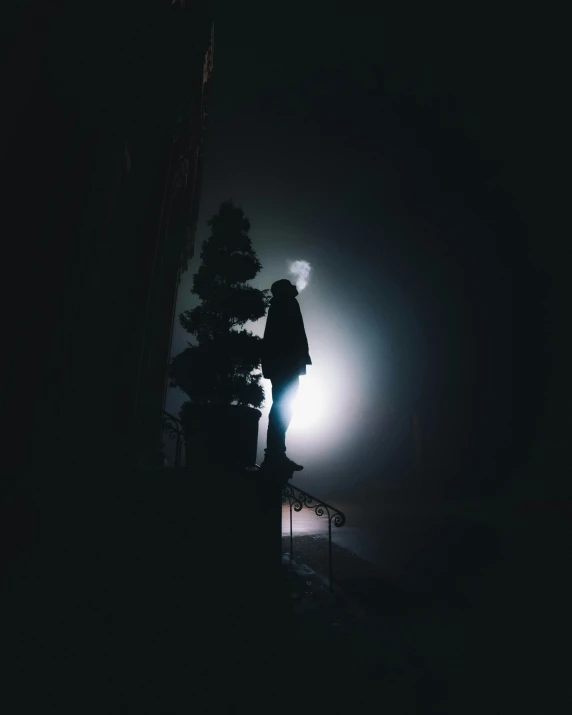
column 154, row 610
column 476, row 610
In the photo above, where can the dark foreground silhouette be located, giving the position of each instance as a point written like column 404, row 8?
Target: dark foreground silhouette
column 285, row 355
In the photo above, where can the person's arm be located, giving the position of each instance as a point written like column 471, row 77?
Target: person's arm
column 304, row 350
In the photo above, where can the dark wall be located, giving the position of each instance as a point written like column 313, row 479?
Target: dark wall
column 84, row 88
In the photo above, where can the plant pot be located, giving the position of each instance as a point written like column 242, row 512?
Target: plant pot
column 220, row 435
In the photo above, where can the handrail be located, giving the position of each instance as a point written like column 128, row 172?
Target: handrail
column 173, row 426
column 298, row 499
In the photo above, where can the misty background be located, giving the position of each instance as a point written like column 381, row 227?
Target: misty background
column 387, row 154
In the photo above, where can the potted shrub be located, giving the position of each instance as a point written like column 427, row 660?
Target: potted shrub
column 220, row 370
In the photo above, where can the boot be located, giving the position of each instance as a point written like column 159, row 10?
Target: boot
column 280, row 461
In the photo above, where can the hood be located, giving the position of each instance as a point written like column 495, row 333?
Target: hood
column 283, row 289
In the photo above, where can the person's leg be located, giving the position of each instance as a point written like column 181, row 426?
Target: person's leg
column 283, row 393
column 287, row 403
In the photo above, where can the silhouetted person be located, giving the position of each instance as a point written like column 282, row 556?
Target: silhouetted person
column 284, row 358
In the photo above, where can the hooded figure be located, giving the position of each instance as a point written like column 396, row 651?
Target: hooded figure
column 284, row 358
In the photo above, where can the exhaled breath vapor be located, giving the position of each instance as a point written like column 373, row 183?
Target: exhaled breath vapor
column 301, row 271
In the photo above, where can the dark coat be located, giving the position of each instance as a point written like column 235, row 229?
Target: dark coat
column 285, row 346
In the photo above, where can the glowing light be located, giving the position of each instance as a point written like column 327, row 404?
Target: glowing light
column 301, row 271
column 310, row 405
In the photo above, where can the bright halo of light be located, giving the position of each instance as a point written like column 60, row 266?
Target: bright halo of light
column 310, row 404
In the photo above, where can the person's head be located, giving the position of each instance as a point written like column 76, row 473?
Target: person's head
column 283, row 289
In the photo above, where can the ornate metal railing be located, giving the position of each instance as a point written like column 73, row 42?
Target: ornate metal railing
column 298, row 499
column 173, row 427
